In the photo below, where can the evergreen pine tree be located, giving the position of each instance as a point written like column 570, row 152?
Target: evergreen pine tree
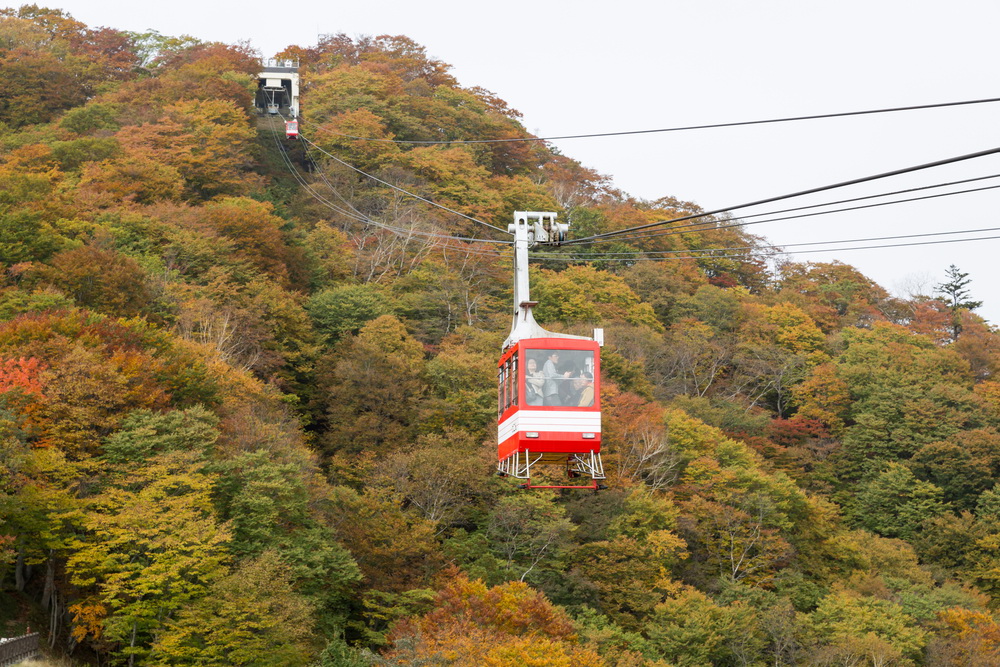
column 956, row 295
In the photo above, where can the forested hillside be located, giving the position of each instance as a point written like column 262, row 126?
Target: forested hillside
column 248, row 392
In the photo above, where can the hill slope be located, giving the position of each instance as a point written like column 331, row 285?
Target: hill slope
column 247, row 392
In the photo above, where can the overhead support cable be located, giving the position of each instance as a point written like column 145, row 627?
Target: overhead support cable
column 356, row 215
column 685, row 128
column 652, row 254
column 769, row 200
column 715, row 225
column 308, row 187
column 750, row 254
column 399, row 189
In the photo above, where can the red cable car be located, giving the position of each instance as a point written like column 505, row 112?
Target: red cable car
column 548, row 383
column 291, row 129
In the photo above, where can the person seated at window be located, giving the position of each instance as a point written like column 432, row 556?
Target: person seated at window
column 553, row 380
column 568, row 393
column 585, row 386
column 534, row 382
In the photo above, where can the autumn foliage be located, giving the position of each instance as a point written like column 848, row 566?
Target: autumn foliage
column 508, row 624
column 248, row 393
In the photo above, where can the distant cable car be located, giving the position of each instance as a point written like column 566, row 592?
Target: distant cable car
column 291, row 129
column 548, row 383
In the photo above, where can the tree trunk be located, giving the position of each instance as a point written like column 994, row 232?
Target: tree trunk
column 131, row 656
column 54, row 616
column 49, row 591
column 22, row 572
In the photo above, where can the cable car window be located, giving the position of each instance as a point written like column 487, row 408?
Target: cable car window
column 559, row 377
column 513, row 381
column 501, row 386
column 507, row 385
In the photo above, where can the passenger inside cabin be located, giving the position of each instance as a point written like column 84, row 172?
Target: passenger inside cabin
column 534, row 382
column 553, row 380
column 568, row 393
column 585, row 386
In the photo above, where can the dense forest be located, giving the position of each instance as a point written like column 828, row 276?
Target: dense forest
column 248, row 392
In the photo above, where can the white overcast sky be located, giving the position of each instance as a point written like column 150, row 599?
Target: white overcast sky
column 588, row 66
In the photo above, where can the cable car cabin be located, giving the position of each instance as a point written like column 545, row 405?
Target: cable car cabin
column 291, row 129
column 550, row 409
